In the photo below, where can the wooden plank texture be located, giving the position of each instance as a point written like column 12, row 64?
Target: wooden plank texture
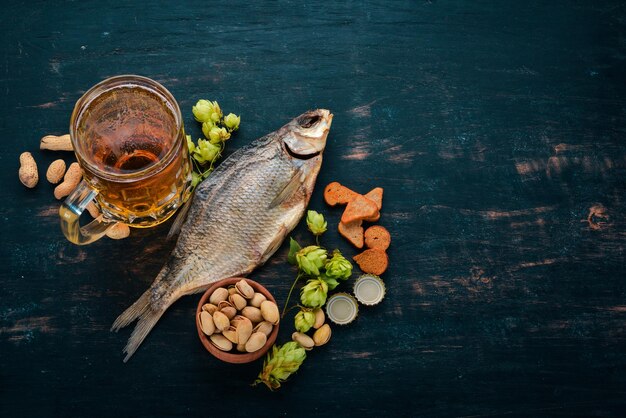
column 496, row 128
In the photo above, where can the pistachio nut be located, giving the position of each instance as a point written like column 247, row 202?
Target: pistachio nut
column 257, row 299
column 229, row 311
column 221, row 342
column 244, row 330
column 237, row 301
column 304, row 340
column 241, row 348
column 232, row 290
column 264, row 327
column 256, row 341
column 218, row 295
column 320, row 318
column 231, row 334
column 322, row 335
column 244, row 289
column 221, row 321
column 234, row 322
column 206, row 323
column 252, row 313
column 209, row 307
column 269, row 311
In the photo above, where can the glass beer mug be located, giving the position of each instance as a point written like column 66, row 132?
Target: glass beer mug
column 128, row 136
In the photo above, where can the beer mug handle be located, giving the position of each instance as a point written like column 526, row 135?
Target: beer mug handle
column 70, row 212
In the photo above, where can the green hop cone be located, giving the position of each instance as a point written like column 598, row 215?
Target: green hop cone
column 314, row 293
column 231, row 121
column 316, row 222
column 311, row 259
column 202, row 110
column 217, row 134
column 338, row 267
column 304, row 320
column 190, row 144
column 281, row 363
column 206, row 128
column 206, row 151
column 216, row 112
column 207, row 111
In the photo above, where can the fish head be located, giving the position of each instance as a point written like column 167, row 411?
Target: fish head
column 305, row 136
column 302, row 143
column 304, row 140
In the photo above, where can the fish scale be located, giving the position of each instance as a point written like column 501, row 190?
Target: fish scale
column 238, row 218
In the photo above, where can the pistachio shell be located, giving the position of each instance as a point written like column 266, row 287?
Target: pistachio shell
column 304, row 340
column 256, row 341
column 221, row 321
column 224, row 304
column 264, row 327
column 218, row 295
column 257, row 299
column 320, row 318
column 244, row 289
column 232, row 290
column 241, row 348
column 237, row 301
column 229, row 311
column 206, row 323
column 269, row 311
column 231, row 334
column 209, row 307
column 252, row 313
column 322, row 335
column 244, row 330
column 221, row 342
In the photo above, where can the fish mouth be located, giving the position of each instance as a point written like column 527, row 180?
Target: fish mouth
column 300, row 156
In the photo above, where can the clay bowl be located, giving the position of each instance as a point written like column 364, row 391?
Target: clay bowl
column 234, row 356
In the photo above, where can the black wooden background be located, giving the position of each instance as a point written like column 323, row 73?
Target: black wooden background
column 496, row 128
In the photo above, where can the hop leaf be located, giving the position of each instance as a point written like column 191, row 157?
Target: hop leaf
column 304, row 320
column 294, row 247
column 314, row 293
column 231, row 121
column 338, row 267
column 332, row 283
column 281, row 363
column 195, row 179
column 310, row 259
column 316, row 222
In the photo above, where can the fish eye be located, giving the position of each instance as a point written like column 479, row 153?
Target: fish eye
column 307, row 121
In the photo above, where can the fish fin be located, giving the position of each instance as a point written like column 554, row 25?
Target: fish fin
column 294, row 183
column 133, row 312
column 180, row 219
column 146, row 322
column 275, row 244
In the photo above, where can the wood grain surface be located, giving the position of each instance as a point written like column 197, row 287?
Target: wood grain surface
column 496, row 128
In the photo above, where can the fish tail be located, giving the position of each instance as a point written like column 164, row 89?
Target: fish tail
column 146, row 322
column 133, row 312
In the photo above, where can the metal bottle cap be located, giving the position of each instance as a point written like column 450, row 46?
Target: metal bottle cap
column 369, row 289
column 342, row 308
